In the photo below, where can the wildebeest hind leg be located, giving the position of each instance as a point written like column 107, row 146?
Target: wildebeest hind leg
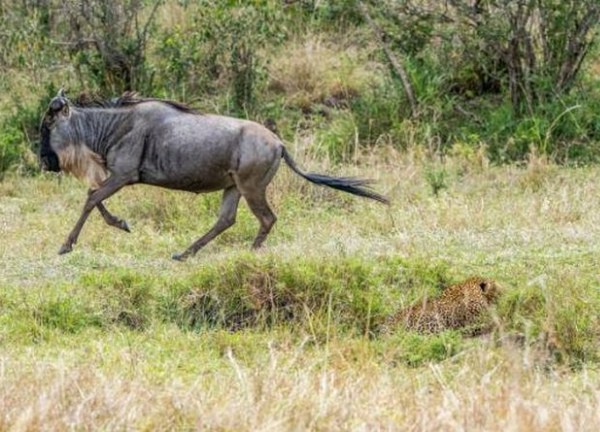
column 257, row 201
column 252, row 181
column 227, row 214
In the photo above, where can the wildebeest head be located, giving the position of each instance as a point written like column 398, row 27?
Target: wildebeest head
column 57, row 108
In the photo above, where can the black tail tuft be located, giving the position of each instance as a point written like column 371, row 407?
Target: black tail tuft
column 353, row 185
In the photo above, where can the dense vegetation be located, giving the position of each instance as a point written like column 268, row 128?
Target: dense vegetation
column 511, row 77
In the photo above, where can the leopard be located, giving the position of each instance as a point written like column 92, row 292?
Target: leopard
column 460, row 306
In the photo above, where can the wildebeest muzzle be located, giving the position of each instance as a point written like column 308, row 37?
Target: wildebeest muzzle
column 48, row 157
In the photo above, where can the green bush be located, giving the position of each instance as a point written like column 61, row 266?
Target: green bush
column 12, row 147
column 338, row 139
column 565, row 129
column 378, row 111
column 19, row 134
column 220, row 46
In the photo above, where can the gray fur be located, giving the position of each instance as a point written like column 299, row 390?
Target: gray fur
column 163, row 143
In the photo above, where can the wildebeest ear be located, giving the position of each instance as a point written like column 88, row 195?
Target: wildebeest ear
column 61, row 93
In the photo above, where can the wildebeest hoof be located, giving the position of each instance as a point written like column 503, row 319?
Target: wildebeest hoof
column 179, row 256
column 124, row 226
column 65, row 249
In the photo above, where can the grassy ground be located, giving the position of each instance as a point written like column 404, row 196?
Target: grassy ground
column 116, row 335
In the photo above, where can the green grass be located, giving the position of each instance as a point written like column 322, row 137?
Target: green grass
column 117, row 335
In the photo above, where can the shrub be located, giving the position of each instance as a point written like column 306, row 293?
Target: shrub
column 12, row 147
column 517, row 45
column 19, row 134
column 220, row 48
column 107, row 42
column 338, row 139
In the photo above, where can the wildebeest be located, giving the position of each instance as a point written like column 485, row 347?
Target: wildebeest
column 131, row 140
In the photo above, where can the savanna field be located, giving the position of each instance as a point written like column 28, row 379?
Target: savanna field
column 118, row 336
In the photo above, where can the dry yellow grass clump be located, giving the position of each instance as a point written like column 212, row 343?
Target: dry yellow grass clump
column 319, row 70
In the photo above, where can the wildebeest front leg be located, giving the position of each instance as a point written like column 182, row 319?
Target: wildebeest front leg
column 112, row 185
column 111, row 219
column 227, row 213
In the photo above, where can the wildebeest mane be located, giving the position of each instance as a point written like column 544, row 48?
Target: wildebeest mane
column 125, row 100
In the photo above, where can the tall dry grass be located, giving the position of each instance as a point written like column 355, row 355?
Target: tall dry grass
column 322, row 69
column 295, row 388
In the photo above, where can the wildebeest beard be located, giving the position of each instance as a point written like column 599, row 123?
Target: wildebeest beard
column 48, row 158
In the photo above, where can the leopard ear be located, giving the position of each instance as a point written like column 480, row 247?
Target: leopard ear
column 484, row 286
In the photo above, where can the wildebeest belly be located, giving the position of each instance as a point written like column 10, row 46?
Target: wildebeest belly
column 186, row 168
column 191, row 184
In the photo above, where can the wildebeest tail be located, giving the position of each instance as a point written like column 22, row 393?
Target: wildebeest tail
column 351, row 185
